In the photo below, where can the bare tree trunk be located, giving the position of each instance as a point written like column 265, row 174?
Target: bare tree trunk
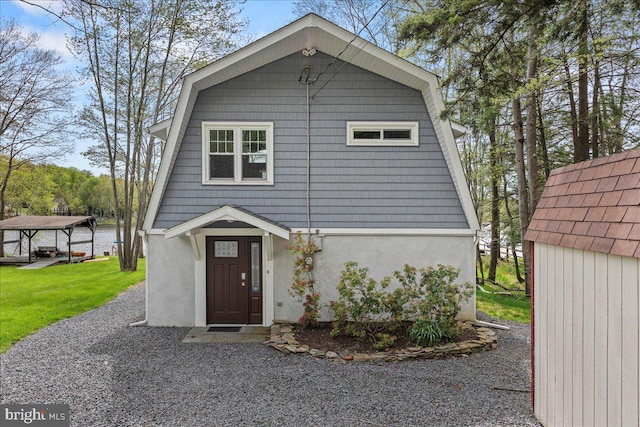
column 481, row 265
column 595, row 108
column 507, row 210
column 516, row 264
column 572, row 103
column 546, row 164
column 582, row 150
column 494, row 174
column 531, row 135
column 522, row 187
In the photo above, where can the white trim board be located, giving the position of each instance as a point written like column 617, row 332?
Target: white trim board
column 388, row 231
column 226, row 213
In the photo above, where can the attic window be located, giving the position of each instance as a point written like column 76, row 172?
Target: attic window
column 237, row 153
column 382, row 133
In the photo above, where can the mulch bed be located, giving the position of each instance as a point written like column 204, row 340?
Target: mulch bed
column 319, row 337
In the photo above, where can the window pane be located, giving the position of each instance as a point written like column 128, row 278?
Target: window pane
column 255, row 267
column 220, row 166
column 254, row 166
column 224, row 249
column 220, row 141
column 397, row 134
column 262, row 135
column 366, row 134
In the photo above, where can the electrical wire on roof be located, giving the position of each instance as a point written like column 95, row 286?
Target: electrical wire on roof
column 344, row 50
column 357, row 51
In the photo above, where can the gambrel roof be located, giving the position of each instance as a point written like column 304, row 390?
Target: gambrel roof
column 308, row 32
column 593, row 206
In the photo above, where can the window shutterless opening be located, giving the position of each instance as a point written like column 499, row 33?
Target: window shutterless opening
column 237, row 153
column 383, row 133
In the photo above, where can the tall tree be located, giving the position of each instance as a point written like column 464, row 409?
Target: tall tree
column 137, row 54
column 34, row 105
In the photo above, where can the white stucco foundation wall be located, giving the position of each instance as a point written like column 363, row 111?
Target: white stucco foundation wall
column 170, row 282
column 381, row 254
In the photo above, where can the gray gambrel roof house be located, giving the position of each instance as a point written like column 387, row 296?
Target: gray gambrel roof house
column 372, row 172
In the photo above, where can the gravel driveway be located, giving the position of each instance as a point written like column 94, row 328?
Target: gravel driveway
column 114, row 375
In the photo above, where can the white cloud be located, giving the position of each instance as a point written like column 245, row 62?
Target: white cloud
column 51, row 30
column 55, row 39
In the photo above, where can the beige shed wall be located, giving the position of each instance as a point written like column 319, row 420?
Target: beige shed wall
column 586, row 338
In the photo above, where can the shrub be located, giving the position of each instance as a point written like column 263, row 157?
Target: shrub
column 427, row 297
column 360, row 310
column 304, row 283
column 434, row 302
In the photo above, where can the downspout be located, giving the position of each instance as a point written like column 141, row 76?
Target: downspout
column 308, row 84
column 143, row 235
column 306, row 71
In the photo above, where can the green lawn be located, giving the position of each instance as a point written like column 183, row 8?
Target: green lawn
column 506, row 307
column 32, row 299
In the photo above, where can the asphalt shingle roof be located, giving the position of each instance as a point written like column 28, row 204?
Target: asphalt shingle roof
column 593, row 205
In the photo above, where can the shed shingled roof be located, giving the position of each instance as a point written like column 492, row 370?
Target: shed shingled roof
column 593, row 206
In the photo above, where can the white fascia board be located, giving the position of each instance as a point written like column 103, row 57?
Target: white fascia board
column 161, row 129
column 389, row 231
column 225, row 213
column 170, row 151
column 450, row 151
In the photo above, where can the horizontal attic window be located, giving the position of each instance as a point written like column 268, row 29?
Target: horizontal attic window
column 382, row 133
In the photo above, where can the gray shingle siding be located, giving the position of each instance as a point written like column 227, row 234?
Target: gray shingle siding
column 351, row 187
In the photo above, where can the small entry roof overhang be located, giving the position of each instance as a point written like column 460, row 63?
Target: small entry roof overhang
column 228, row 213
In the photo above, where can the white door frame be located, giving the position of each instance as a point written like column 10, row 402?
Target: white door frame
column 199, row 237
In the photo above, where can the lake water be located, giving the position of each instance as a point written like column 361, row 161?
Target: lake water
column 103, row 240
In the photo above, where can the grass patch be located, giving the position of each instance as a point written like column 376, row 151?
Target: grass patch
column 32, row 299
column 505, row 307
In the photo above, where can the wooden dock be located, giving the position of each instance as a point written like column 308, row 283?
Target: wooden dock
column 42, row 263
column 36, row 263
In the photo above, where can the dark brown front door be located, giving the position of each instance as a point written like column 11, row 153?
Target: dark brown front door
column 234, row 280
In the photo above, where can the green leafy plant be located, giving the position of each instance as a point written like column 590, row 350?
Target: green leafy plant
column 425, row 332
column 434, row 302
column 427, row 297
column 304, row 283
column 361, row 309
column 384, row 341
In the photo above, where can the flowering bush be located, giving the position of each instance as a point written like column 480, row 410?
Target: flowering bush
column 304, row 283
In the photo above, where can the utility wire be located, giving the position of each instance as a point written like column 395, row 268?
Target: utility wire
column 360, row 49
column 344, row 50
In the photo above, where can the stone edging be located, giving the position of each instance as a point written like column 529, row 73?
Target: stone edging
column 283, row 339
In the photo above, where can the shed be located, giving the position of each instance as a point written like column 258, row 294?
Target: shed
column 585, row 235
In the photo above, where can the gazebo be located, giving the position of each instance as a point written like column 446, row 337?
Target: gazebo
column 29, row 226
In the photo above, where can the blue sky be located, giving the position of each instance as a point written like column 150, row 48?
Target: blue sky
column 264, row 16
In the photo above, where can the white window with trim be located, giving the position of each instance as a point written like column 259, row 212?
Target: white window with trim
column 237, row 153
column 383, row 133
